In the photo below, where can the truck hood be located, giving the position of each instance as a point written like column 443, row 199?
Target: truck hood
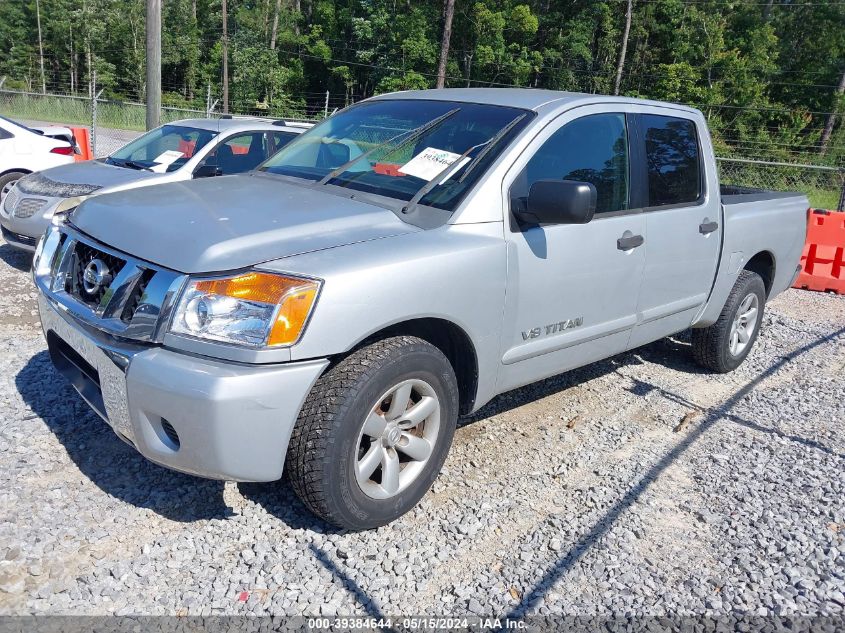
column 79, row 179
column 230, row 222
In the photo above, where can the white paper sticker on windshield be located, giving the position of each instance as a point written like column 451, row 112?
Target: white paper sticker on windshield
column 430, row 162
column 165, row 159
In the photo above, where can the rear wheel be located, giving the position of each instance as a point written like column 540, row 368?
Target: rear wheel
column 7, row 181
column 374, row 432
column 723, row 346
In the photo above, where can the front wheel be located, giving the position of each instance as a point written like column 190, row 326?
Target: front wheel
column 374, row 432
column 723, row 346
column 7, row 181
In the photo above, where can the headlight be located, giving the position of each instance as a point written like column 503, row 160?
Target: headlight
column 65, row 208
column 253, row 308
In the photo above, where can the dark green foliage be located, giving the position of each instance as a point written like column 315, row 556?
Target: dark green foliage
column 766, row 77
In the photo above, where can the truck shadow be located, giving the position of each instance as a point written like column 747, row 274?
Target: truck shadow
column 20, row 260
column 106, row 460
column 280, row 500
column 672, row 353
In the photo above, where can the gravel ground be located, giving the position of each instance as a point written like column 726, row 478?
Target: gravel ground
column 638, row 485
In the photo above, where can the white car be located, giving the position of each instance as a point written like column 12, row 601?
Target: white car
column 193, row 148
column 24, row 150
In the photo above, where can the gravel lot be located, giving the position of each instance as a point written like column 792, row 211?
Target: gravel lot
column 639, row 485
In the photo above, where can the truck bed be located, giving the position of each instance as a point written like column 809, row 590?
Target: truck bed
column 736, row 194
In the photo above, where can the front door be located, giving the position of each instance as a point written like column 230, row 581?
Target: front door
column 572, row 289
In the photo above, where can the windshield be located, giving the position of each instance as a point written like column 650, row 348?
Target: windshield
column 403, row 147
column 164, row 149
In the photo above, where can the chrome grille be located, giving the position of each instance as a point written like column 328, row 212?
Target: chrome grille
column 81, row 259
column 11, row 200
column 106, row 289
column 27, row 207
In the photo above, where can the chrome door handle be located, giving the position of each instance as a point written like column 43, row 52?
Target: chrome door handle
column 707, row 227
column 627, row 243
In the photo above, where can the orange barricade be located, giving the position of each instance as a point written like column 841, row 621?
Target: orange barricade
column 823, row 259
column 83, row 142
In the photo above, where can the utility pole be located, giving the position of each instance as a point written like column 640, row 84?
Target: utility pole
column 225, row 59
column 40, row 47
column 153, row 63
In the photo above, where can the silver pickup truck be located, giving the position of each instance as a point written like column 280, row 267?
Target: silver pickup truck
column 331, row 314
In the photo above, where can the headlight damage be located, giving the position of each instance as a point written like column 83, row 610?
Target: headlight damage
column 256, row 309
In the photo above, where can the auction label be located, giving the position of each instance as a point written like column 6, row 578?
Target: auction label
column 430, row 162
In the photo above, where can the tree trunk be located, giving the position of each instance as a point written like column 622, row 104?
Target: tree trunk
column 275, row 30
column 40, row 47
column 72, row 61
column 297, row 7
column 468, row 59
column 448, row 14
column 624, row 50
column 225, row 59
column 831, row 118
column 767, row 10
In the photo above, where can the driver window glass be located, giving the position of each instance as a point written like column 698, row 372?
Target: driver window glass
column 591, row 149
column 239, row 154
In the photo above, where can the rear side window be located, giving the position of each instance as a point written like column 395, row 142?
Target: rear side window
column 673, row 160
column 4, row 134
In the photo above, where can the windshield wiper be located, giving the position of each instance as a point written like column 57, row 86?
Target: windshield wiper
column 134, row 165
column 413, row 135
column 131, row 164
column 447, row 171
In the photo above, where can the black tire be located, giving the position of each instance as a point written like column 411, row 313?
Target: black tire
column 711, row 345
column 324, row 446
column 5, row 179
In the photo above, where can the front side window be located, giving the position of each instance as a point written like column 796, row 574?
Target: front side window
column 280, row 139
column 431, row 152
column 164, row 149
column 673, row 160
column 240, row 153
column 591, row 149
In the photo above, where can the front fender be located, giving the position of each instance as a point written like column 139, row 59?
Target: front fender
column 455, row 272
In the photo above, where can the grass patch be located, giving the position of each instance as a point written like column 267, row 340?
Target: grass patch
column 77, row 111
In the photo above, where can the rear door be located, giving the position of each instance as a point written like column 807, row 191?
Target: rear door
column 683, row 222
column 572, row 289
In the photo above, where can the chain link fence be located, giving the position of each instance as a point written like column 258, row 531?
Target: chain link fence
column 823, row 185
column 113, row 124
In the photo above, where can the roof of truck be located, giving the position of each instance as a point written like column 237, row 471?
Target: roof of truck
column 527, row 98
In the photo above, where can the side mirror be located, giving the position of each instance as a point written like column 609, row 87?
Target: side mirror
column 559, row 202
column 207, row 170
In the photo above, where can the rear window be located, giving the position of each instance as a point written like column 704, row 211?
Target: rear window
column 673, row 158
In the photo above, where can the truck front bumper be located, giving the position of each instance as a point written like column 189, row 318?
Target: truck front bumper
column 192, row 414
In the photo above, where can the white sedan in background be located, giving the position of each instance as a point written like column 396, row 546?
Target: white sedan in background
column 182, row 150
column 24, row 150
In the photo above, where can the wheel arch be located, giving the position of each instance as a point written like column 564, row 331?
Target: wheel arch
column 450, row 339
column 763, row 263
column 15, row 170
